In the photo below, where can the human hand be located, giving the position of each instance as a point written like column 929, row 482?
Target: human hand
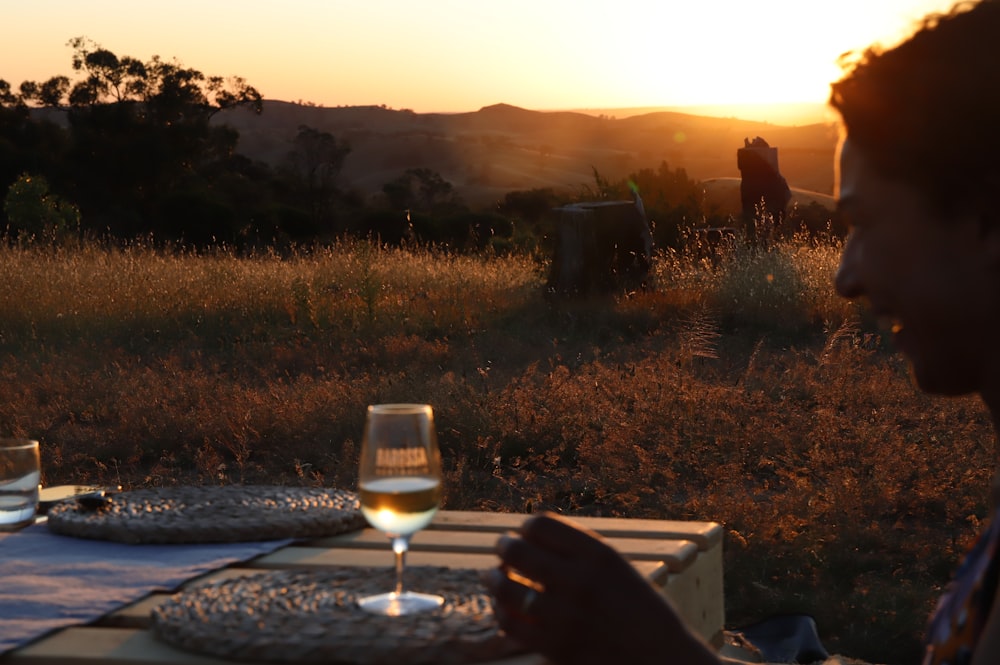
column 563, row 591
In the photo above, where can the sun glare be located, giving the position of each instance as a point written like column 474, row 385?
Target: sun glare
column 748, row 55
column 465, row 55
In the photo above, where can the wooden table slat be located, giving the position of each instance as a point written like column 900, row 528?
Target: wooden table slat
column 677, row 554
column 311, row 557
column 705, row 534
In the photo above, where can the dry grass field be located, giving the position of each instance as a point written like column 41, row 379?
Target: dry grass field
column 743, row 392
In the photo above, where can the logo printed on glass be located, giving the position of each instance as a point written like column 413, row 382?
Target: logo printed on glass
column 401, row 462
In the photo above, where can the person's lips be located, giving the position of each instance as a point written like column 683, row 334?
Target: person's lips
column 899, row 335
column 894, row 327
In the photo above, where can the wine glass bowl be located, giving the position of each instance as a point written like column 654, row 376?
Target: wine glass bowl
column 399, row 484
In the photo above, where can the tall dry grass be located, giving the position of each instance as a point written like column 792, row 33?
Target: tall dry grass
column 739, row 389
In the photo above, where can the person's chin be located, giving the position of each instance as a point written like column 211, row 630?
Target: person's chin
column 942, row 382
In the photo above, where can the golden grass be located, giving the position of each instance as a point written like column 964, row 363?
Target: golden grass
column 740, row 390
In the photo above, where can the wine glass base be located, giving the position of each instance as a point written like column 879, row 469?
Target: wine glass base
column 399, row 604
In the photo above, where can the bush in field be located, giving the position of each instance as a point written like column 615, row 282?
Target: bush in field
column 762, row 289
column 35, row 212
column 783, row 285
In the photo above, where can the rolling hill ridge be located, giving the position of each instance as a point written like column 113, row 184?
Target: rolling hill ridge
column 502, row 148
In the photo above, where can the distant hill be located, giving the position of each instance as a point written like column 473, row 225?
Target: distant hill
column 790, row 114
column 502, row 148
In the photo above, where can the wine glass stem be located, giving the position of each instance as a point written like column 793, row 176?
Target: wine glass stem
column 400, row 544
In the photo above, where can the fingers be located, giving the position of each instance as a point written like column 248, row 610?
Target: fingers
column 539, row 620
column 556, row 554
column 557, row 534
column 512, row 596
column 579, row 601
column 548, row 569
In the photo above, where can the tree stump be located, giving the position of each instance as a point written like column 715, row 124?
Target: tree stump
column 600, row 246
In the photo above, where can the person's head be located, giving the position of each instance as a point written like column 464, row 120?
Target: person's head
column 919, row 172
column 927, row 111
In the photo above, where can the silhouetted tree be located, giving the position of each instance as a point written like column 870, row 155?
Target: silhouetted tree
column 167, row 88
column 529, row 205
column 316, row 160
column 671, row 198
column 7, row 96
column 420, row 189
column 530, row 212
column 26, row 145
column 13, row 135
column 51, row 93
column 140, row 133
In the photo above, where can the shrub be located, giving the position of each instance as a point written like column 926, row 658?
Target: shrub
column 34, row 212
column 762, row 288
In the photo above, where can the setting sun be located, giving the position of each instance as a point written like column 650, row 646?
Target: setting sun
column 450, row 55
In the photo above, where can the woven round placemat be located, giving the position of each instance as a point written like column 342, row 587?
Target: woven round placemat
column 311, row 616
column 211, row 514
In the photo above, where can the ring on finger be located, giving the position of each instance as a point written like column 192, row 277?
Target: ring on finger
column 528, row 601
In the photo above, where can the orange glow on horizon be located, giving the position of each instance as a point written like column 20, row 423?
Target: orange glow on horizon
column 454, row 55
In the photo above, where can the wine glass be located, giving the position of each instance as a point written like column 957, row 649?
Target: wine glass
column 399, row 481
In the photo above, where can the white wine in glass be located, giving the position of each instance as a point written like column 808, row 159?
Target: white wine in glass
column 399, row 481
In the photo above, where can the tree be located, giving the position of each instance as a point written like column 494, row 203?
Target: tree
column 316, row 160
column 530, row 205
column 49, row 93
column 26, row 144
column 531, row 212
column 138, row 144
column 141, row 132
column 107, row 78
column 671, row 198
column 419, row 189
column 165, row 87
column 7, row 96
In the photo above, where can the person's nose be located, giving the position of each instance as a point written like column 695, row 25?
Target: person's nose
column 848, row 278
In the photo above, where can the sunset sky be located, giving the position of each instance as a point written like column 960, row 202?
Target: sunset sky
column 461, row 55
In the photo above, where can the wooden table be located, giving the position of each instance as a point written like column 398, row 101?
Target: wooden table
column 684, row 559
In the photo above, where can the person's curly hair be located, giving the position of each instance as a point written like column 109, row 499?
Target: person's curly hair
column 928, row 110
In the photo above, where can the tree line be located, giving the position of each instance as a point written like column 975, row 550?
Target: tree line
column 128, row 149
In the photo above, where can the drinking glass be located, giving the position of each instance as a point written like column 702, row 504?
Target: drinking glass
column 20, row 474
column 399, row 482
